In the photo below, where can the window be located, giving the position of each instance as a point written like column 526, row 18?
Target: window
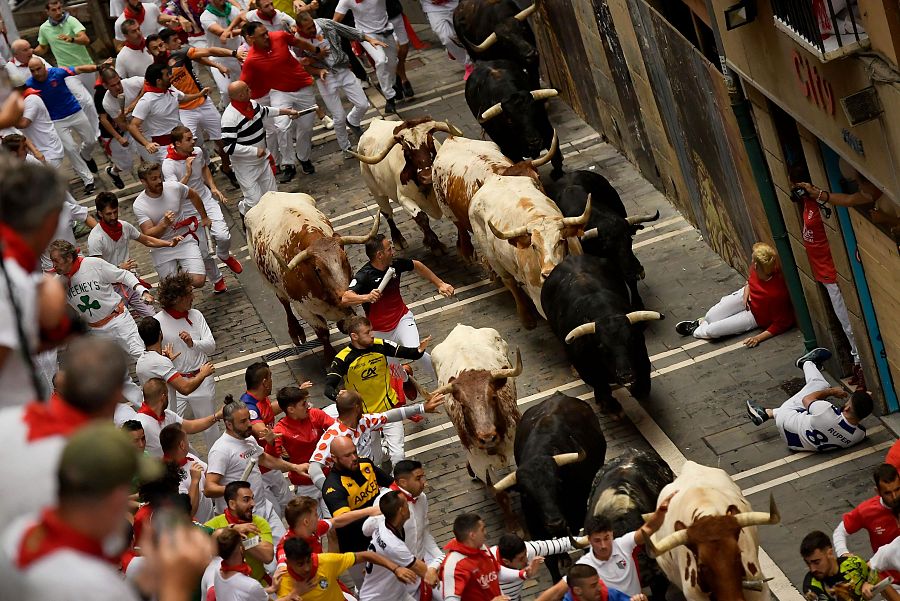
column 830, row 28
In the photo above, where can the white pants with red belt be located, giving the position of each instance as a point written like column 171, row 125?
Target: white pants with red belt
column 190, row 260
column 342, row 79
column 726, row 318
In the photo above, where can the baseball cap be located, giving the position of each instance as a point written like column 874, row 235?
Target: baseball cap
column 16, row 80
column 99, row 458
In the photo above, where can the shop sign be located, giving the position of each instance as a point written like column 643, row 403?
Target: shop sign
column 814, row 87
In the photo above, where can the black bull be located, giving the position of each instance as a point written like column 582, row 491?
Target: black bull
column 559, row 447
column 497, row 29
column 522, row 129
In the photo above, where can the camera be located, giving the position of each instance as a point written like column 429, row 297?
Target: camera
column 798, row 194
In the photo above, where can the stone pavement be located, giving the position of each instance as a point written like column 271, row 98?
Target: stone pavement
column 699, row 388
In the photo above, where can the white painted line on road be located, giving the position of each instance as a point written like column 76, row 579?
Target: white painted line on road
column 797, row 456
column 843, row 458
column 665, row 236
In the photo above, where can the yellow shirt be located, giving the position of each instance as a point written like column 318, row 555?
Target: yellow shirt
column 331, row 566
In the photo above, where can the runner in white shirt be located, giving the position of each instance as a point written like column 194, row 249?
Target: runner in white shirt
column 440, row 18
column 186, row 332
column 371, row 18
column 389, row 540
column 231, row 581
column 807, row 421
column 146, row 14
column 155, row 415
column 37, row 125
column 271, row 18
column 189, row 165
column 119, row 96
column 216, row 20
column 158, row 210
column 175, row 447
column 133, row 57
column 109, row 241
column 230, row 456
column 124, row 413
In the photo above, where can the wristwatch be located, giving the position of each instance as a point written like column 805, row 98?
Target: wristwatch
column 234, row 54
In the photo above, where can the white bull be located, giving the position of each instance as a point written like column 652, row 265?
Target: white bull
column 474, row 371
column 708, row 544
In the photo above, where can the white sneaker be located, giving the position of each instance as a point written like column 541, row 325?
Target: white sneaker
column 328, row 122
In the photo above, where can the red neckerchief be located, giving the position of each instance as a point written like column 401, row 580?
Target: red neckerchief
column 76, row 265
column 113, row 231
column 137, row 47
column 15, row 248
column 55, row 417
column 149, row 88
column 242, row 568
column 180, row 315
column 408, row 496
column 244, row 108
column 181, row 462
column 50, row 535
column 173, row 154
column 233, row 519
column 604, row 593
column 137, row 16
column 314, row 568
column 148, row 410
column 30, row 92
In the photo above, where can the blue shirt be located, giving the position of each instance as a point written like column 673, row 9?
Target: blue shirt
column 612, row 594
column 55, row 93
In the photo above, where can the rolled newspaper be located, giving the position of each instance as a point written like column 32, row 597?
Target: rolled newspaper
column 250, row 465
column 388, row 276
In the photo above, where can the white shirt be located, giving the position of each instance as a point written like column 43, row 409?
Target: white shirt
column 620, row 570
column 370, row 16
column 147, row 208
column 152, row 428
column 133, row 63
column 205, row 508
column 238, row 587
column 821, row 427
column 90, row 290
column 207, row 19
column 418, row 534
column 65, row 575
column 71, row 213
column 112, row 251
column 229, row 456
column 16, row 387
column 174, row 170
column 191, row 358
column 158, row 112
column 209, row 575
column 429, row 6
column 149, row 25
column 380, row 583
column 131, row 87
column 124, row 412
column 887, row 557
column 280, row 22
column 41, row 131
column 155, row 365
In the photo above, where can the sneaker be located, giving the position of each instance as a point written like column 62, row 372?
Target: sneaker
column 115, row 177
column 287, row 173
column 89, row 188
column 233, row 264
column 364, row 84
column 408, row 89
column 818, row 356
column 328, row 122
column 686, row 328
column 347, row 155
column 91, row 164
column 390, row 106
column 756, row 413
column 356, row 129
column 219, row 287
column 308, row 167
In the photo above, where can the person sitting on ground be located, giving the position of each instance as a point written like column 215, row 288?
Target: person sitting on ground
column 764, row 302
column 807, row 421
column 830, row 578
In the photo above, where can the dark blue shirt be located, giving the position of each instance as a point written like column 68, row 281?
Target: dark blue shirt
column 55, row 93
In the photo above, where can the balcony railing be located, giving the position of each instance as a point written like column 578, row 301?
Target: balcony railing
column 830, row 28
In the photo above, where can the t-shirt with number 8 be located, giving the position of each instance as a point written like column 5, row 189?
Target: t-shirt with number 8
column 822, row 427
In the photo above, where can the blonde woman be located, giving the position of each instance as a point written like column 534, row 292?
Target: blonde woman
column 763, row 302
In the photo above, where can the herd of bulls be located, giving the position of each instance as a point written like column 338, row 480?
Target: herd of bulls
column 565, row 252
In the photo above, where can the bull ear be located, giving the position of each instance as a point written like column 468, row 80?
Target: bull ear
column 732, row 510
column 679, row 525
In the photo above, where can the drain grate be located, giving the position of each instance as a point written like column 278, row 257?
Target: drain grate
column 290, row 352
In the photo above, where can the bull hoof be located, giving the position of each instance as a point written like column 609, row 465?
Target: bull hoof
column 437, row 248
column 400, row 242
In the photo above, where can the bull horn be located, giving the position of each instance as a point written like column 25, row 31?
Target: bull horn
column 298, row 258
column 344, row 240
column 755, row 585
column 638, row 316
column 579, row 542
column 519, row 231
column 492, row 112
column 508, row 372
column 581, row 219
column 544, row 93
column 674, row 540
column 567, row 458
column 279, row 260
column 554, row 146
column 507, row 482
column 440, row 390
column 447, row 127
column 636, row 219
column 420, row 389
column 591, row 234
column 582, row 330
column 760, row 518
column 374, row 159
column 521, row 16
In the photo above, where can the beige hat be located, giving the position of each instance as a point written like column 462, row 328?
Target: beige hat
column 16, row 80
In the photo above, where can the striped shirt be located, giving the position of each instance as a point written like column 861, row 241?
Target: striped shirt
column 243, row 136
column 511, row 581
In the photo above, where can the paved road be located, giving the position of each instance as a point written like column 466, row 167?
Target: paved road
column 696, row 408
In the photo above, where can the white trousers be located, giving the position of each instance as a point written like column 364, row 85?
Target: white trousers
column 338, row 80
column 222, row 81
column 77, row 152
column 219, row 229
column 441, row 22
column 123, row 331
column 190, row 261
column 210, row 262
column 726, row 318
column 271, row 131
column 255, row 178
column 407, row 334
column 279, row 490
column 122, row 157
column 202, row 402
column 203, row 120
column 392, row 440
column 400, row 35
column 300, row 130
column 385, row 63
column 82, row 88
column 840, row 309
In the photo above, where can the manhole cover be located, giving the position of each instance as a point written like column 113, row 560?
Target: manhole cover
column 290, row 352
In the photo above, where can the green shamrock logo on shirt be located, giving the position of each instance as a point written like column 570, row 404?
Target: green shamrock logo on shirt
column 87, row 305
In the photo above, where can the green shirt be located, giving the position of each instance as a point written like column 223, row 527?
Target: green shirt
column 258, row 570
column 68, row 54
column 853, row 572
